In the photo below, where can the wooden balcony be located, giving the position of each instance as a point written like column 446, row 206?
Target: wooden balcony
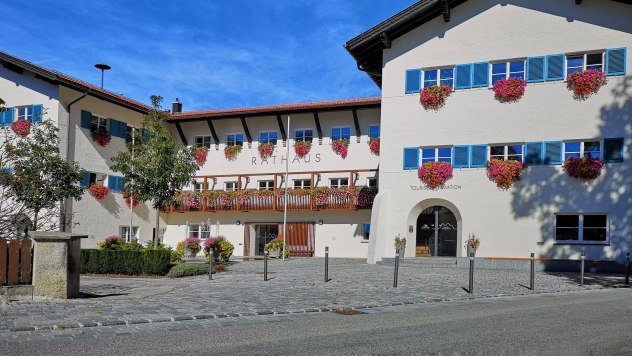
column 313, row 198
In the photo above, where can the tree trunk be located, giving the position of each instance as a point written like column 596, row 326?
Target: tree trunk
column 157, row 233
column 35, row 220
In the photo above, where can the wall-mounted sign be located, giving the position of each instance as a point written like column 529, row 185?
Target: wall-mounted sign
column 281, row 160
column 444, row 187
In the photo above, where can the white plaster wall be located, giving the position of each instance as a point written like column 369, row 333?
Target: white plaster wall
column 24, row 89
column 509, row 223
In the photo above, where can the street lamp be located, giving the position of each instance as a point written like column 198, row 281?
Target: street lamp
column 103, row 67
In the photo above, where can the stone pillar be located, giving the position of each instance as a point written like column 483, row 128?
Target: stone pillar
column 56, row 264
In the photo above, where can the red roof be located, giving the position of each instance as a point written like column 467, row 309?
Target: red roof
column 259, row 110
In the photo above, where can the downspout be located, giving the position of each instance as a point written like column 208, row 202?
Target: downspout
column 64, row 204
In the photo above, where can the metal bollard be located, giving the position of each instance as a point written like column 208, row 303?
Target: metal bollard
column 532, row 279
column 471, row 288
column 627, row 269
column 326, row 264
column 210, row 265
column 581, row 269
column 265, row 266
column 396, row 268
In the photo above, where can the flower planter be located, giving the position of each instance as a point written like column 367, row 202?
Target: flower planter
column 435, row 174
column 231, row 152
column 434, row 97
column 200, row 155
column 98, row 191
column 504, row 173
column 509, row 90
column 340, row 147
column 374, row 146
column 471, row 251
column 102, row 137
column 585, row 84
column 302, row 148
column 275, row 253
column 21, row 127
column 266, row 150
column 584, row 169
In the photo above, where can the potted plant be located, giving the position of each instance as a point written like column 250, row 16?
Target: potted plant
column 340, row 147
column 434, row 97
column 192, row 246
column 374, row 145
column 585, row 169
column 212, row 248
column 302, row 148
column 585, row 84
column 472, row 244
column 509, row 90
column 200, row 155
column 400, row 243
column 504, row 173
column 435, row 174
column 275, row 247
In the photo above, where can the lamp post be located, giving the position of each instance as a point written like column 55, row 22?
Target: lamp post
column 103, row 67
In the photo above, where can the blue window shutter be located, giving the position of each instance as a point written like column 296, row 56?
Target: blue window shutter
column 535, row 69
column 461, row 156
column 38, row 112
column 85, row 181
column 533, row 153
column 480, row 75
column 552, row 152
column 615, row 61
column 112, row 182
column 413, row 81
column 555, row 67
column 478, row 155
column 463, row 76
column 122, row 129
column 613, row 150
column 86, row 119
column 120, row 184
column 411, row 157
column 7, row 116
column 144, row 135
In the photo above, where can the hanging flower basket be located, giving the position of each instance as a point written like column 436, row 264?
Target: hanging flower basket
column 585, row 169
column 509, row 90
column 128, row 199
column 200, row 155
column 435, row 174
column 98, row 191
column 302, row 148
column 374, row 146
column 102, row 137
column 266, row 150
column 433, row 97
column 585, row 84
column 231, row 152
column 340, row 147
column 21, row 127
column 504, row 173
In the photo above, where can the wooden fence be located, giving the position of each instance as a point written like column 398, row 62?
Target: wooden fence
column 16, row 258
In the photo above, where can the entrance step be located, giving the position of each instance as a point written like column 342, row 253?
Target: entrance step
column 431, row 262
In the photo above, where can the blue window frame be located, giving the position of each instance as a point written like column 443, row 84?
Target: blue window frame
column 436, row 154
column 590, row 149
column 478, row 156
column 374, row 131
column 235, row 140
column 411, row 158
column 461, row 156
column 303, row 135
column 413, row 81
column 268, row 137
column 341, row 133
column 613, row 150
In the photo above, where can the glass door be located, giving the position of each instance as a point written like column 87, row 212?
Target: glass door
column 263, row 235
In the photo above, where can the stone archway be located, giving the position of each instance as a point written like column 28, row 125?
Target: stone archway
column 435, row 229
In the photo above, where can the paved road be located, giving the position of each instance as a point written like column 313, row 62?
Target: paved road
column 588, row 322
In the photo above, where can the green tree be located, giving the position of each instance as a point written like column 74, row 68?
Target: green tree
column 160, row 166
column 37, row 176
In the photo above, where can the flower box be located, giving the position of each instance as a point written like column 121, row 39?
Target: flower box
column 302, row 148
column 231, row 152
column 102, row 137
column 509, row 90
column 585, row 84
column 21, row 127
column 201, row 154
column 340, row 147
column 374, row 146
column 504, row 173
column 266, row 150
column 434, row 97
column 98, row 191
column 435, row 174
column 585, row 169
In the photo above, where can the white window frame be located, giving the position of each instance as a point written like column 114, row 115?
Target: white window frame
column 198, row 186
column 508, row 71
column 101, row 122
column 302, row 185
column 27, row 114
column 204, row 140
column 436, row 153
column 227, row 184
column 505, row 156
column 235, row 134
column 100, row 178
column 338, row 183
column 585, row 60
column 580, row 227
column 125, row 233
column 269, row 184
column 439, row 70
column 269, row 132
column 582, row 143
column 201, row 231
column 302, row 139
column 368, row 181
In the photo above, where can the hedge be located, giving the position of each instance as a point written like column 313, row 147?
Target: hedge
column 193, row 269
column 133, row 263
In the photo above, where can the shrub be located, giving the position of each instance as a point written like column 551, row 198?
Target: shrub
column 127, row 262
column 192, row 269
column 366, row 196
column 113, row 242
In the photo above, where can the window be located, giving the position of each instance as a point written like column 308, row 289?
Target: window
column 444, row 76
column 235, row 140
column 411, row 157
column 268, row 137
column 230, row 186
column 339, row 182
column 581, row 228
column 198, row 186
column 302, row 183
column 371, row 182
column 506, row 153
column 25, row 113
column 201, row 231
column 303, row 135
column 549, row 153
column 98, row 123
column 203, row 141
column 582, row 62
column 613, row 150
column 266, row 185
column 591, row 149
column 366, row 229
column 97, row 178
column 125, row 233
column 431, row 154
column 374, row 131
column 341, row 133
column 506, row 70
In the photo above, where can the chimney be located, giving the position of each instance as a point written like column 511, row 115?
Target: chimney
column 176, row 107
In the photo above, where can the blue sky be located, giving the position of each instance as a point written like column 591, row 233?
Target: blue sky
column 210, row 54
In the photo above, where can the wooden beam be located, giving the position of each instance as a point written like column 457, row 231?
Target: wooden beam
column 386, row 42
column 184, row 139
column 246, row 131
column 356, row 123
column 578, row 2
column 209, row 122
column 445, row 9
column 281, row 128
column 318, row 129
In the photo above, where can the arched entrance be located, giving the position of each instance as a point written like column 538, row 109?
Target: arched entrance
column 437, row 232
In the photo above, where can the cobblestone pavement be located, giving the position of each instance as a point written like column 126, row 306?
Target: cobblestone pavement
column 295, row 286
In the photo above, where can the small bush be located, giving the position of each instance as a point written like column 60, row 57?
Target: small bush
column 192, row 269
column 127, row 262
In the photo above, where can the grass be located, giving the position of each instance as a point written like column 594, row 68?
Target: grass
column 193, row 269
